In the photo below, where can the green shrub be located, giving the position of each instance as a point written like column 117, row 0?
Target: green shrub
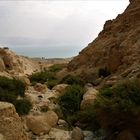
column 42, row 77
column 85, row 119
column 10, row 89
column 72, row 80
column 57, row 67
column 71, row 99
column 13, row 86
column 116, row 107
column 52, row 83
column 23, row 106
column 103, row 72
column 7, row 96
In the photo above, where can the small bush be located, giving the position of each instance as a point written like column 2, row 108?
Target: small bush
column 72, row 80
column 42, row 77
column 103, row 72
column 116, row 107
column 71, row 99
column 52, row 83
column 85, row 119
column 23, row 106
column 16, row 87
column 57, row 67
column 10, row 89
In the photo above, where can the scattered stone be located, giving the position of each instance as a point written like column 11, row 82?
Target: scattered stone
column 58, row 134
column 77, row 134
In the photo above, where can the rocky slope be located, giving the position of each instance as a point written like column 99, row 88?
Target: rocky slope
column 117, row 47
column 14, row 64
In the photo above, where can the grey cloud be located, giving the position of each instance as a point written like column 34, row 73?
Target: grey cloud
column 30, row 27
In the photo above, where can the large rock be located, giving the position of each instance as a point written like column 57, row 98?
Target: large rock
column 58, row 134
column 37, row 125
column 60, row 88
column 88, row 97
column 41, row 124
column 77, row 134
column 51, row 118
column 11, row 126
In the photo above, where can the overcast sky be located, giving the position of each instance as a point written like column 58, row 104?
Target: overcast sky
column 54, row 28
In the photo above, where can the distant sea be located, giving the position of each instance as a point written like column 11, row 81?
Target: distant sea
column 46, row 52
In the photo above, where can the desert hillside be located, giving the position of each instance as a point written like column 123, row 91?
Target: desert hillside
column 116, row 49
column 96, row 96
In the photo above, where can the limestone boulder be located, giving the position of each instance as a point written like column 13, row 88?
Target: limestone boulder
column 77, row 134
column 37, row 125
column 51, row 118
column 11, row 126
column 60, row 88
column 41, row 123
column 58, row 134
column 88, row 97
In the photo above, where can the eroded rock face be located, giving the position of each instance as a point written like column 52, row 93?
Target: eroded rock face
column 10, row 123
column 117, row 47
column 15, row 64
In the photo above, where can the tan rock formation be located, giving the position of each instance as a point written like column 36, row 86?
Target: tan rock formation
column 88, row 97
column 41, row 124
column 117, row 47
column 10, row 123
column 51, row 118
column 77, row 134
column 37, row 125
column 17, row 64
column 60, row 88
column 58, row 134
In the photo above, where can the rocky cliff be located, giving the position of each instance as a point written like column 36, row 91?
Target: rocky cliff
column 15, row 64
column 117, row 47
